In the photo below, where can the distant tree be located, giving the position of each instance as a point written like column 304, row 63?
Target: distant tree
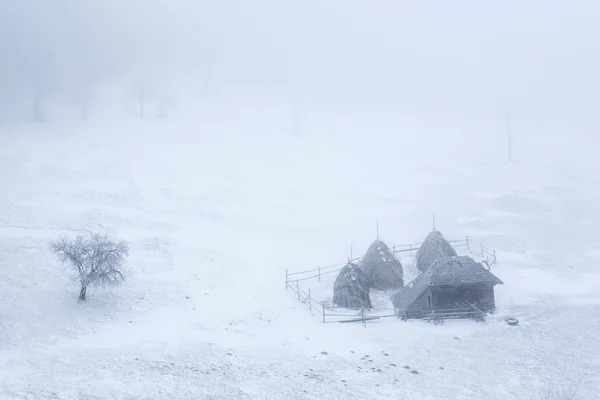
column 94, row 260
column 37, row 116
column 509, row 139
column 84, row 98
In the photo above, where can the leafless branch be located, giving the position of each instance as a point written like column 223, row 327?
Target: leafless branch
column 559, row 393
column 95, row 259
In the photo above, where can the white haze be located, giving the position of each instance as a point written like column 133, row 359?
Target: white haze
column 293, row 132
column 534, row 59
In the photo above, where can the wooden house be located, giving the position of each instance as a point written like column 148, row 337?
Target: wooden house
column 451, row 283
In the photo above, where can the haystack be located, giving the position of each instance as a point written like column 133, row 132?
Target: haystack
column 382, row 268
column 351, row 289
column 434, row 246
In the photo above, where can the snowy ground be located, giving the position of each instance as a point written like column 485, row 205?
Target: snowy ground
column 217, row 207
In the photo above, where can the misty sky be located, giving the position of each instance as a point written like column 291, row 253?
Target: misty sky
column 532, row 56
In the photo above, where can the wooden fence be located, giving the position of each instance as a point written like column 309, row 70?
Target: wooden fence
column 293, row 279
column 487, row 254
column 329, row 316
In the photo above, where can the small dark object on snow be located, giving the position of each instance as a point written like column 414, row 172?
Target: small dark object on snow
column 511, row 321
column 434, row 246
column 351, row 289
column 324, row 353
column 441, row 367
column 392, row 365
column 414, row 371
column 406, row 367
column 382, row 268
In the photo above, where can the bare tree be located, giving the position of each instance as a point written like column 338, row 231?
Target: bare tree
column 38, row 116
column 559, row 393
column 95, row 259
column 509, row 139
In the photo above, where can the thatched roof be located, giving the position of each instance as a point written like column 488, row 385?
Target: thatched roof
column 460, row 270
column 350, row 289
column 434, row 246
column 381, row 267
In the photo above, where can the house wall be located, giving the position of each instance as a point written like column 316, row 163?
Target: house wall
column 422, row 306
column 481, row 294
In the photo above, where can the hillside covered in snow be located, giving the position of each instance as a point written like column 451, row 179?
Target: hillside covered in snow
column 214, row 220
column 224, row 145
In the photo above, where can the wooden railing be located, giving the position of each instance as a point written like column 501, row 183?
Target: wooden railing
column 488, row 256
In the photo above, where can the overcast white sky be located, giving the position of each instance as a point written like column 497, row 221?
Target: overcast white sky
column 531, row 56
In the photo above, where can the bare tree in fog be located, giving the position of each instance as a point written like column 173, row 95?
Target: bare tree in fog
column 37, row 114
column 509, row 139
column 94, row 260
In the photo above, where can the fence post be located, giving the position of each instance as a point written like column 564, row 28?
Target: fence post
column 494, row 256
column 309, row 300
column 467, row 243
column 298, row 289
column 323, row 304
column 319, row 269
column 286, row 278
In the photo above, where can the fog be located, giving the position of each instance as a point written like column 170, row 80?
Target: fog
column 537, row 60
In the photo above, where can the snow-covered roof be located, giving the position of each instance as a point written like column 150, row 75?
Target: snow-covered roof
column 407, row 295
column 457, row 270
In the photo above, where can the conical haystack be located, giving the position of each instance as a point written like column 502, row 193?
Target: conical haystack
column 434, row 246
column 382, row 268
column 351, row 289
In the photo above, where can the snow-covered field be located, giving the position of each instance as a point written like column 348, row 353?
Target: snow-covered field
column 217, row 206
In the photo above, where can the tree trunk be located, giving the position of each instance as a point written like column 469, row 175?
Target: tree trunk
column 82, row 293
column 37, row 109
